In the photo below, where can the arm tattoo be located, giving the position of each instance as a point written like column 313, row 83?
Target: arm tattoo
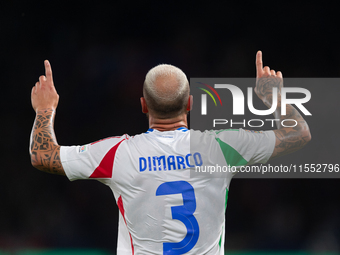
column 264, row 89
column 291, row 139
column 44, row 149
column 288, row 139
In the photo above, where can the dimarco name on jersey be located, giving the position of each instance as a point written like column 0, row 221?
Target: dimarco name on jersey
column 171, row 162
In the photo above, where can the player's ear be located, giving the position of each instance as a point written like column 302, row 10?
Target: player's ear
column 190, row 102
column 144, row 106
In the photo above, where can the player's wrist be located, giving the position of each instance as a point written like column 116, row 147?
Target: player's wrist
column 44, row 109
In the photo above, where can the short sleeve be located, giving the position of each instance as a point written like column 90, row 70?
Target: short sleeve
column 245, row 147
column 91, row 161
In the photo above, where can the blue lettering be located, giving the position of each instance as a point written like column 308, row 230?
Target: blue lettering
column 159, row 163
column 154, row 163
column 149, row 161
column 172, row 163
column 198, row 159
column 187, row 160
column 142, row 164
column 180, row 161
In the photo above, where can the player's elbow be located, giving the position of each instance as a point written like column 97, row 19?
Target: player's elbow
column 307, row 136
column 35, row 162
column 38, row 166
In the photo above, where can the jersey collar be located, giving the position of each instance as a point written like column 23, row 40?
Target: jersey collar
column 183, row 129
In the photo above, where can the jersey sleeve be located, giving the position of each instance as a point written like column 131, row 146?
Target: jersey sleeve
column 91, row 161
column 245, row 147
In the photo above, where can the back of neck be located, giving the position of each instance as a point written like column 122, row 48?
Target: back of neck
column 168, row 124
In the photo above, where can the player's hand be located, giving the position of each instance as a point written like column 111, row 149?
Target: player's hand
column 266, row 79
column 44, row 94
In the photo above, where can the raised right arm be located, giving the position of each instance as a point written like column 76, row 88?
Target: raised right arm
column 288, row 139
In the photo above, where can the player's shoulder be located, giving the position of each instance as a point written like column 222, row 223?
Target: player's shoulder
column 229, row 134
column 232, row 131
column 111, row 140
column 156, row 133
column 215, row 132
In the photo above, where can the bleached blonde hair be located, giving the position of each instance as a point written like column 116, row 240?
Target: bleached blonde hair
column 166, row 90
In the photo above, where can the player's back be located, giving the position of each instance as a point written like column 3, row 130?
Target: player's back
column 164, row 205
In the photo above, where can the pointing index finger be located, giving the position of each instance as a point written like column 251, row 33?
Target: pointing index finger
column 48, row 70
column 259, row 64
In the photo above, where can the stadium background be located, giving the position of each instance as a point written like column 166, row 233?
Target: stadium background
column 100, row 53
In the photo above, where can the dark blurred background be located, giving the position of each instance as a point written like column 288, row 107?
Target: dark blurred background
column 100, row 53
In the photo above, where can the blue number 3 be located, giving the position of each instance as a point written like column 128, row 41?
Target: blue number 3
column 183, row 213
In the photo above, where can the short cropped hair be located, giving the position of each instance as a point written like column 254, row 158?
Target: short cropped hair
column 166, row 91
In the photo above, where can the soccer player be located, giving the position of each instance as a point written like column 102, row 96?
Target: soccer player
column 163, row 208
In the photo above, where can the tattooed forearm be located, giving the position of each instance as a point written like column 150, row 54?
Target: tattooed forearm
column 44, row 149
column 264, row 89
column 290, row 139
column 296, row 133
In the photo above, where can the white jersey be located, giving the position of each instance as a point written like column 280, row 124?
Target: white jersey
column 164, row 208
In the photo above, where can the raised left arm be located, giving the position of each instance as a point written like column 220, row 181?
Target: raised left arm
column 44, row 149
